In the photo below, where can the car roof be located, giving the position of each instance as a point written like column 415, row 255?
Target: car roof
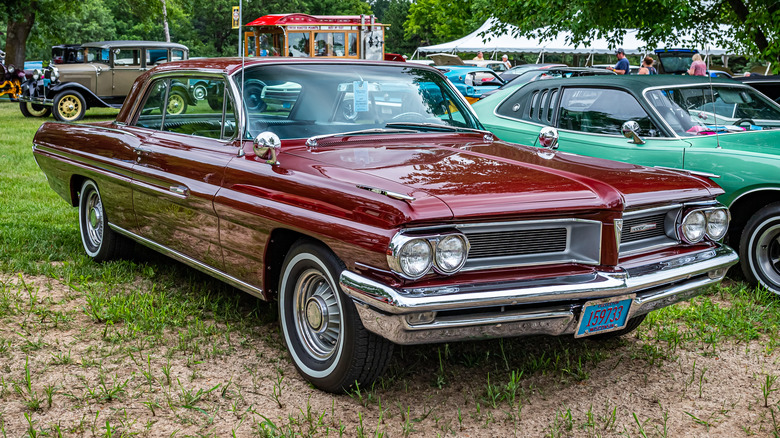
column 234, row 64
column 132, row 43
column 636, row 83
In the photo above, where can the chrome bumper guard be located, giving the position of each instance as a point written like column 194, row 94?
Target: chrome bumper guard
column 550, row 306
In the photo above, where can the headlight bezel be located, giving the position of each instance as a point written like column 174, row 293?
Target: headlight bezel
column 402, row 240
column 707, row 214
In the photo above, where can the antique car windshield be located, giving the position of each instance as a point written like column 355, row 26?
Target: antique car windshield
column 297, row 101
column 705, row 110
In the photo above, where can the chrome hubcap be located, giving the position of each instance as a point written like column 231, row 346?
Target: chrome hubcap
column 94, row 219
column 317, row 314
column 768, row 253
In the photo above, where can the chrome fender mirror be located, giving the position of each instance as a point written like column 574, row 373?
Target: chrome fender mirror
column 548, row 137
column 631, row 131
column 266, row 146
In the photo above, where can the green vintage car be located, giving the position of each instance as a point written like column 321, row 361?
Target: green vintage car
column 712, row 126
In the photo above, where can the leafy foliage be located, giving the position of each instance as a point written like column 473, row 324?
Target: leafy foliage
column 754, row 27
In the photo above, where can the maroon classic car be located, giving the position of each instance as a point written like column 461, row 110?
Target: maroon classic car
column 370, row 202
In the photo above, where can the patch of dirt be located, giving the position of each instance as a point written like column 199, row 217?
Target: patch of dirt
column 62, row 370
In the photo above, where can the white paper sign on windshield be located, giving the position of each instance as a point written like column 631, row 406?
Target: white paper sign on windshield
column 360, row 91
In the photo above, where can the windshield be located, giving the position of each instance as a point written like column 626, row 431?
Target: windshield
column 700, row 110
column 305, row 100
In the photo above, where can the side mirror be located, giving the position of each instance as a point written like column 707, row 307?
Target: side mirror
column 631, row 131
column 548, row 137
column 267, row 145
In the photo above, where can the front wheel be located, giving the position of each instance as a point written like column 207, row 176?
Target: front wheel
column 323, row 332
column 99, row 240
column 759, row 248
column 69, row 106
column 30, row 109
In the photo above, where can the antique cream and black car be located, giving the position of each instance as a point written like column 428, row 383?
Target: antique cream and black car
column 103, row 79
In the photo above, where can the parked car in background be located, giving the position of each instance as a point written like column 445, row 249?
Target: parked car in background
column 67, row 54
column 495, row 65
column 531, row 75
column 769, row 85
column 103, row 79
column 10, row 79
column 517, row 70
column 472, row 81
column 378, row 211
column 713, row 126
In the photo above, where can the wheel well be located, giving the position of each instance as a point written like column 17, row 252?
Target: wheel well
column 90, row 99
column 76, row 181
column 279, row 243
column 745, row 207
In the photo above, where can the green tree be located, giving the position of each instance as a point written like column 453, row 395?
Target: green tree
column 19, row 17
column 438, row 21
column 754, row 25
column 395, row 14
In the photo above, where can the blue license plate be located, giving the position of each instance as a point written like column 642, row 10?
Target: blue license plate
column 602, row 316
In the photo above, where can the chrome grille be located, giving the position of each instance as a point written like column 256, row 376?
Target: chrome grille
column 643, row 227
column 518, row 242
column 644, row 230
column 527, row 243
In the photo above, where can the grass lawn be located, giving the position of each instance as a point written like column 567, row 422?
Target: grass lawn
column 149, row 347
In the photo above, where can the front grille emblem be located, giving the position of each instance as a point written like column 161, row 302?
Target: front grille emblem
column 642, row 227
column 618, row 230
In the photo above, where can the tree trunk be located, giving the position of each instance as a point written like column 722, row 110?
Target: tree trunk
column 165, row 23
column 16, row 39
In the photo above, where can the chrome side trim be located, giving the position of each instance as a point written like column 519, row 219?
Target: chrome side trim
column 692, row 172
column 187, row 260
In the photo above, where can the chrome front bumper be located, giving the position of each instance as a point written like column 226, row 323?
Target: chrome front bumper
column 549, row 306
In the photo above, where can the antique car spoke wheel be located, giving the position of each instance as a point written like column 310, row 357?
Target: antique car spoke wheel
column 323, row 332
column 69, row 106
column 177, row 103
column 759, row 248
column 100, row 242
column 30, row 109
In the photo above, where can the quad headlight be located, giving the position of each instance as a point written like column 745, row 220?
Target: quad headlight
column 414, row 256
column 710, row 222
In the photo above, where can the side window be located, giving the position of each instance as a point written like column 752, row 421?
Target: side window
column 157, row 56
column 299, row 44
column 189, row 105
column 127, row 57
column 177, row 55
column 602, row 111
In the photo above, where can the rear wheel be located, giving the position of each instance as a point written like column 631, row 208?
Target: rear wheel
column 99, row 240
column 29, row 109
column 323, row 332
column 759, row 248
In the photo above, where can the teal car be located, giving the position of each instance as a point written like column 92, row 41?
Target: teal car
column 711, row 126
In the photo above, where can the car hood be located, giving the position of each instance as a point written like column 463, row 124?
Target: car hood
column 478, row 178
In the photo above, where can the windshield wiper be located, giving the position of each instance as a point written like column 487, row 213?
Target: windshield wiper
column 312, row 141
column 434, row 126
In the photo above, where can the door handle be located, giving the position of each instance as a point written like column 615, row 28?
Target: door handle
column 179, row 190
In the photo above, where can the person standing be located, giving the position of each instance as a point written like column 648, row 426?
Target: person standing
column 479, row 57
column 647, row 66
column 622, row 67
column 698, row 67
column 505, row 61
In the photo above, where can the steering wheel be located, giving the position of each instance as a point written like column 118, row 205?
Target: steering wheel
column 743, row 120
column 409, row 116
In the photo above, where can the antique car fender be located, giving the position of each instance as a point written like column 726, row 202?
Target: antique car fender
column 91, row 99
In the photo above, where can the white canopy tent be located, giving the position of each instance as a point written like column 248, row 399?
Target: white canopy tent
column 506, row 42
